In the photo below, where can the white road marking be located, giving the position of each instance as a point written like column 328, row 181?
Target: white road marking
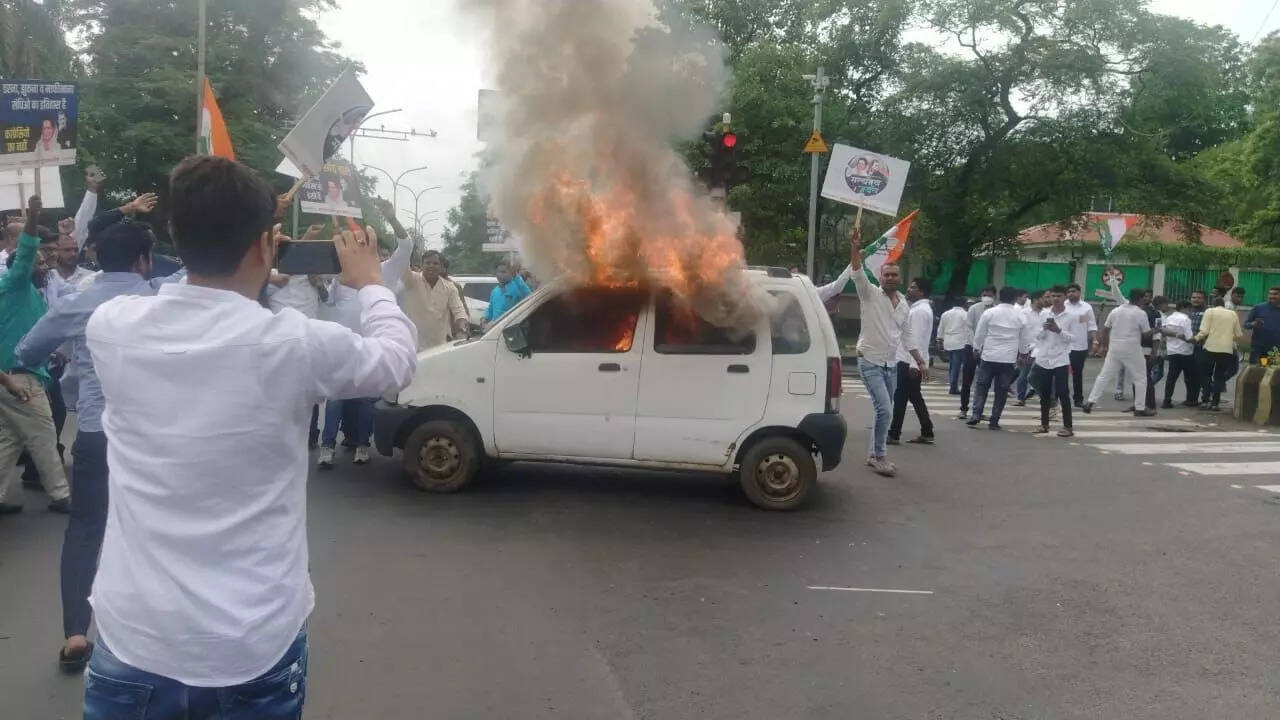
column 1078, row 422
column 872, row 590
column 1188, row 448
column 1228, row 468
column 1268, row 488
column 1174, row 436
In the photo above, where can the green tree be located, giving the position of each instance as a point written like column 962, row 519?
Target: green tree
column 32, row 45
column 466, row 231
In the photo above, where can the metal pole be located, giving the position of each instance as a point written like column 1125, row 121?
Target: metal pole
column 200, row 74
column 819, row 82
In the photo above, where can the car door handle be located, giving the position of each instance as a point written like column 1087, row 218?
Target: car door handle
column 739, row 369
column 610, row 367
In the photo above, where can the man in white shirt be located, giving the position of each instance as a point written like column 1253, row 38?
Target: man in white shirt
column 1054, row 326
column 1126, row 326
column 202, row 591
column 919, row 327
column 884, row 327
column 1180, row 352
column 1003, row 337
column 301, row 293
column 953, row 336
column 433, row 303
column 972, row 360
column 1023, row 387
column 1084, row 336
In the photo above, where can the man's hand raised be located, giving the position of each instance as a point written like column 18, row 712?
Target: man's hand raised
column 144, row 203
column 855, row 249
column 358, row 256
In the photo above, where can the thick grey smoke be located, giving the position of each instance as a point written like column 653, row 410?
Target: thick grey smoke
column 594, row 95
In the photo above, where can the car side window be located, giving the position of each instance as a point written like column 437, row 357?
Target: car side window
column 478, row 290
column 788, row 327
column 679, row 331
column 586, row 320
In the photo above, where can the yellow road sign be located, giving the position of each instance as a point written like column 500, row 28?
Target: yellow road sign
column 815, row 144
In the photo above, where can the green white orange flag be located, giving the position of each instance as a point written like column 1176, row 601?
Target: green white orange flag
column 214, row 139
column 887, row 248
column 1111, row 228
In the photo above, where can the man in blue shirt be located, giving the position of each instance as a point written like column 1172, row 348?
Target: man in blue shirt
column 124, row 252
column 510, row 291
column 1264, row 321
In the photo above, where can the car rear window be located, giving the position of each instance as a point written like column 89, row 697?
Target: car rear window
column 788, row 328
column 679, row 331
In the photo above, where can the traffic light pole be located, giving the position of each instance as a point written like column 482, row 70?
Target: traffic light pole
column 819, row 82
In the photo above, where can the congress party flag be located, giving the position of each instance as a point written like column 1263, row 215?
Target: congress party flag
column 1111, row 228
column 214, row 139
column 887, row 248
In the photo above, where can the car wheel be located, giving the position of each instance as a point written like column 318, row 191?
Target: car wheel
column 778, row 473
column 441, row 456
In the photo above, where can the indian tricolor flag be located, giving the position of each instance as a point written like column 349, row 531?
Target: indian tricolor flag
column 214, row 139
column 887, row 248
column 1111, row 228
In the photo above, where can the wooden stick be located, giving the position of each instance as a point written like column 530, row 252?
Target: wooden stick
column 297, row 185
column 857, row 220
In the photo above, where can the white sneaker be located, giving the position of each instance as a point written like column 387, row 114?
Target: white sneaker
column 882, row 467
column 326, row 458
column 362, row 455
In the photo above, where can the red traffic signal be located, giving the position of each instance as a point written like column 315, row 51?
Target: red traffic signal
column 728, row 139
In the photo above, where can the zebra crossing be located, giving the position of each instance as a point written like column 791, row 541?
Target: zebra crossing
column 1190, row 444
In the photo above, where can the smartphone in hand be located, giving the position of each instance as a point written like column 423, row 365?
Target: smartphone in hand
column 307, row 258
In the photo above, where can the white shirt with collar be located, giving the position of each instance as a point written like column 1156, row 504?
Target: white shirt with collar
column 203, row 574
column 298, row 293
column 1087, row 323
column 884, row 324
column 1053, row 349
column 1003, row 333
column 953, row 329
column 1127, row 322
column 835, row 287
column 920, row 327
column 1179, row 344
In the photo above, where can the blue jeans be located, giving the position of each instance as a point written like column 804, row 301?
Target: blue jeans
column 955, row 368
column 881, row 382
column 1002, row 375
column 88, row 521
column 1024, row 381
column 364, row 419
column 116, row 691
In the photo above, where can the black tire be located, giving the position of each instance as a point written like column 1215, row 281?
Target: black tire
column 441, row 456
column 778, row 473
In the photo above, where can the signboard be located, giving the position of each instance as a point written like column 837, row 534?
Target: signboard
column 865, row 179
column 335, row 191
column 38, row 123
column 816, row 144
column 328, row 124
column 500, row 239
column 1112, row 275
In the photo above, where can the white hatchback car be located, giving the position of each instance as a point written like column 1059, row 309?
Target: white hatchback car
column 475, row 293
column 630, row 377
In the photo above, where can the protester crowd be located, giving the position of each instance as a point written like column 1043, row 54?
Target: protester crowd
column 1015, row 344
column 196, row 569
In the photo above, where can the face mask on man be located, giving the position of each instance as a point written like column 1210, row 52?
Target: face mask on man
column 988, row 300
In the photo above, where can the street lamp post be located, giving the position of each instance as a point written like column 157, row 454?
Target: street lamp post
column 395, row 181
column 366, row 119
column 416, row 197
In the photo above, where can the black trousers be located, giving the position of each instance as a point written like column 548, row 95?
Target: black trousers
column 1077, row 375
column 1050, row 384
column 313, row 435
column 908, row 390
column 971, row 362
column 85, row 526
column 1002, row 375
column 1220, row 365
column 1184, row 365
column 1204, row 372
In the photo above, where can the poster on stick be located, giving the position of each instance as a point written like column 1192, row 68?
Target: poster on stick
column 335, row 191
column 328, row 124
column 38, row 123
column 865, row 179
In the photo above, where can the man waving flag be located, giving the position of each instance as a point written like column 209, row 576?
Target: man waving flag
column 887, row 248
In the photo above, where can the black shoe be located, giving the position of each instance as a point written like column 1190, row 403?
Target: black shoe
column 8, row 509
column 1119, row 396
column 1078, row 403
column 1166, row 405
column 1086, row 408
column 1191, row 404
column 973, row 422
column 994, row 426
column 62, row 506
column 1148, row 412
column 1020, row 403
column 892, row 441
column 964, row 415
column 922, row 440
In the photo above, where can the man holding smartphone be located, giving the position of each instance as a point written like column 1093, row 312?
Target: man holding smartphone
column 1053, row 358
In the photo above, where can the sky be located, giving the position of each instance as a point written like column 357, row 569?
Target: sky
column 423, row 58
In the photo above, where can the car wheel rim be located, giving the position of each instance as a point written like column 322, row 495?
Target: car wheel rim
column 439, row 457
column 778, row 477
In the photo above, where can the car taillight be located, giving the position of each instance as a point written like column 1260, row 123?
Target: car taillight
column 835, row 385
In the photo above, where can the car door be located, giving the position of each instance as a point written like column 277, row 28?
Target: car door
column 573, row 392
column 700, row 386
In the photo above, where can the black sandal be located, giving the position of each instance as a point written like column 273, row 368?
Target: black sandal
column 72, row 664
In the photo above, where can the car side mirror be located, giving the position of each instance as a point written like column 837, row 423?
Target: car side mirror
column 516, row 340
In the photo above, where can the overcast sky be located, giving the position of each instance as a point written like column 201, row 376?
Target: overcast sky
column 421, row 57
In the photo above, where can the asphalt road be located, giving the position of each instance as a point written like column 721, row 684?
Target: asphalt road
column 1066, row 583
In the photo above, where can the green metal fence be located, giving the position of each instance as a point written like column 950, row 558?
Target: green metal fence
column 1032, row 276
column 1179, row 282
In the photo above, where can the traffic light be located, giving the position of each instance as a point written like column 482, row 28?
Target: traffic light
column 721, row 148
